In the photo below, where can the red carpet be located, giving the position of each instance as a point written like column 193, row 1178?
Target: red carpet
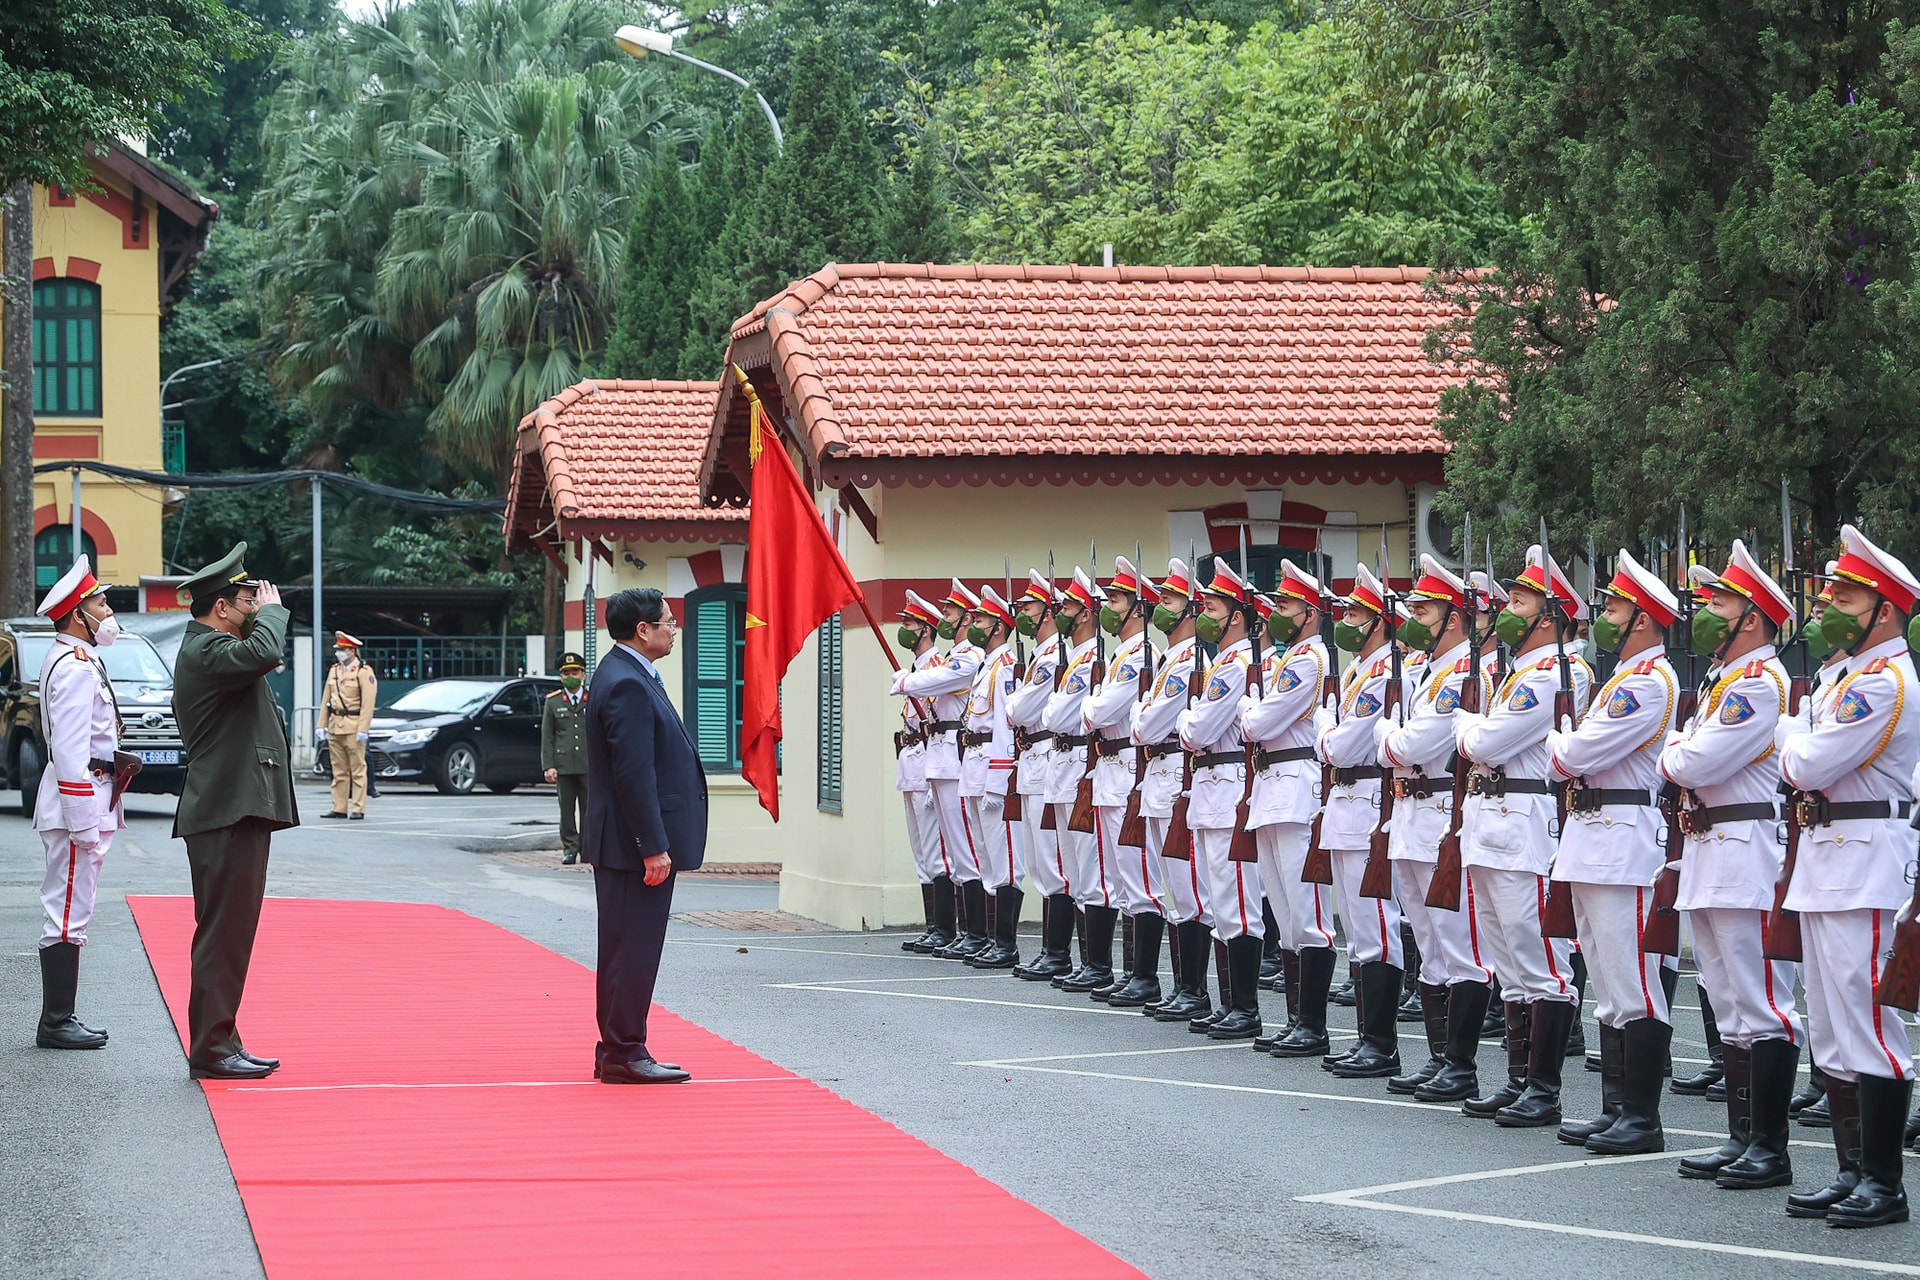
column 436, row 1116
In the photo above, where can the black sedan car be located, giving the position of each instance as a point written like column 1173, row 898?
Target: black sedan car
column 461, row 734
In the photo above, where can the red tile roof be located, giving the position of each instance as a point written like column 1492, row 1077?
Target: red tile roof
column 889, row 362
column 617, row 458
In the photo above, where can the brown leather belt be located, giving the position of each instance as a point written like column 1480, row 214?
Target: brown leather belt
column 1110, row 747
column 1584, row 799
column 1357, row 773
column 1212, row 758
column 1024, row 741
column 1155, row 750
column 945, row 726
column 973, row 739
column 1069, row 740
column 1421, row 788
column 1263, row 757
column 1699, row 819
column 1499, row 784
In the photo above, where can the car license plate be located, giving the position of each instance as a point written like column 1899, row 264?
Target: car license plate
column 159, row 757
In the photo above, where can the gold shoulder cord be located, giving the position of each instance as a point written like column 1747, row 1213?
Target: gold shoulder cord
column 1899, row 704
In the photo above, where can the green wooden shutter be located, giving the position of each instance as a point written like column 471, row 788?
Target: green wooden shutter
column 831, row 713
column 716, row 635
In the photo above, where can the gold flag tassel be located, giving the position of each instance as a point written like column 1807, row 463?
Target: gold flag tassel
column 754, row 415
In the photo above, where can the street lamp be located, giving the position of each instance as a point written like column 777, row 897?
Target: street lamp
column 640, row 42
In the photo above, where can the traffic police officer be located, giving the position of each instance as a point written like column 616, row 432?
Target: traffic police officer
column 346, row 710
column 563, row 751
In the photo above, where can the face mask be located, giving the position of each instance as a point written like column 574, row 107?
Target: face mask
column 1209, row 628
column 1348, row 637
column 248, row 621
column 1608, row 635
column 342, row 655
column 1817, row 645
column 1283, row 627
column 571, row 682
column 947, row 629
column 1064, row 622
column 105, row 632
column 1512, row 628
column 1913, row 633
column 1110, row 619
column 1710, row 631
column 1843, row 630
column 977, row 636
column 908, row 637
column 1166, row 619
column 1027, row 625
column 1414, row 633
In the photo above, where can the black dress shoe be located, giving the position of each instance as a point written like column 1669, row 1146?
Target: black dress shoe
column 334, row 815
column 933, row 942
column 357, row 817
column 1088, row 979
column 569, row 860
column 997, row 956
column 1817, row 1114
column 1184, row 1007
column 1137, row 992
column 645, row 1071
column 1301, row 1042
column 1238, row 1024
column 235, row 1066
column 271, row 1064
column 1344, row 996
column 1045, row 968
column 70, row 1034
column 671, row 1066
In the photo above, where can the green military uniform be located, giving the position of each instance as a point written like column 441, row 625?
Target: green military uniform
column 239, row 790
column 563, row 749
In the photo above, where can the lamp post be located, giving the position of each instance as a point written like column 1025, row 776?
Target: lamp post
column 640, row 42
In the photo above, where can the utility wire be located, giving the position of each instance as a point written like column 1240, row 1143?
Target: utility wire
column 265, row 479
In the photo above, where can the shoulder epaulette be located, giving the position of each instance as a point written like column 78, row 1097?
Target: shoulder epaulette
column 1754, row 668
column 1875, row 667
column 1645, row 668
column 1465, row 664
column 556, row 693
column 1543, row 664
column 1379, row 668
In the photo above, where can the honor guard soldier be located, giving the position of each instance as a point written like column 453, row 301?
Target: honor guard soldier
column 1280, row 720
column 949, row 683
column 1728, row 769
column 1611, row 850
column 1851, row 765
column 1210, row 730
column 563, row 751
column 918, row 621
column 1077, row 621
column 1156, row 727
column 1033, row 742
column 346, row 710
column 77, row 810
column 985, row 767
column 1507, row 841
column 1419, row 751
column 1131, row 871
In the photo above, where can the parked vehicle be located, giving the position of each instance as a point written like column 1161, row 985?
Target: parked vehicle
column 460, row 734
column 142, row 686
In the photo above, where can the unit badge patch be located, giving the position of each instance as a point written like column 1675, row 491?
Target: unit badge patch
column 1524, row 699
column 1218, row 688
column 1128, row 673
column 1622, row 703
column 1077, row 683
column 1289, row 679
column 1173, row 686
column 1852, row 707
column 1366, row 705
column 1449, row 700
column 1736, row 710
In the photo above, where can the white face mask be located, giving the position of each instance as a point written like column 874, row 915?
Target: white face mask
column 105, row 632
column 343, row 655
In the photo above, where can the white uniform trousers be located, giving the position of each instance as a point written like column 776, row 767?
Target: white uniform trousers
column 1507, row 907
column 1449, row 941
column 1183, row 884
column 1233, row 888
column 1752, row 995
column 1046, row 859
column 1136, row 873
column 1373, row 924
column 1001, row 860
column 923, row 836
column 956, row 830
column 1304, row 912
column 1625, row 980
column 67, row 894
column 1850, row 1034
column 1093, row 886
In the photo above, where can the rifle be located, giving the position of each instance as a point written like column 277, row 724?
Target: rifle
column 1133, row 827
column 1010, row 806
column 1081, row 819
column 1899, row 985
column 1245, row 846
column 1443, row 891
column 1376, row 881
column 1660, row 935
column 1318, row 867
column 1179, row 841
column 1556, row 916
column 1049, row 820
column 1782, row 934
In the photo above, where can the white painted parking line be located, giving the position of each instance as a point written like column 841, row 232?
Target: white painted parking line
column 1367, row 1198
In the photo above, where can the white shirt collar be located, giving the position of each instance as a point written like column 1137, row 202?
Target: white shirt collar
column 645, row 662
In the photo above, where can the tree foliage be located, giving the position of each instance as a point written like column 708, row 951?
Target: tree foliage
column 663, row 250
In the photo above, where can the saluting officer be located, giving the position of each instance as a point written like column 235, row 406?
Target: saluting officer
column 77, row 811
column 986, row 763
column 918, row 621
column 1611, row 850
column 346, row 710
column 1729, row 771
column 1852, row 766
column 563, row 751
column 1027, row 710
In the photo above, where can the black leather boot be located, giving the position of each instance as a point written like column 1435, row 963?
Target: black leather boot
column 59, row 988
column 1308, row 1039
column 1459, row 1078
column 1816, row 1089
column 1738, row 1064
column 1348, row 993
column 1880, row 1198
column 1190, row 1001
column 1004, row 953
column 1288, row 985
column 926, row 902
column 1577, row 1033
column 1269, row 948
column 1613, row 1076
column 1378, row 1054
column 1843, row 1098
column 1519, row 1056
column 1143, row 987
column 1056, row 941
column 944, row 928
column 1243, row 967
column 1412, row 1004
column 1078, row 938
column 1495, row 1025
column 1433, row 1009
column 1637, row 1131
column 1669, row 983
column 1776, row 1065
column 1099, row 934
column 1538, row 1105
column 1912, row 1135
column 1697, row 1084
column 1206, row 1023
column 973, row 937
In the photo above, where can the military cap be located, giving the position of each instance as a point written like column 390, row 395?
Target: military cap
column 76, row 585
column 572, row 661
column 226, row 573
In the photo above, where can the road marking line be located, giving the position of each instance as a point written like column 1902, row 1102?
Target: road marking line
column 923, row 995
column 752, row 944
column 958, row 977
column 1221, row 1088
column 1121, row 1053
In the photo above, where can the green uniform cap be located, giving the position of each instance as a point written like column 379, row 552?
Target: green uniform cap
column 228, row 571
column 571, row 659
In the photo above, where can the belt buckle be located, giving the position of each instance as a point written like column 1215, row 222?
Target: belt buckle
column 1476, row 784
column 1402, row 788
column 1811, row 806
column 1582, row 798
column 1693, row 820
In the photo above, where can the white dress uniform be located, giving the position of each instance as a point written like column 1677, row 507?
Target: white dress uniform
column 75, row 811
column 1065, row 719
column 1210, row 729
column 948, row 683
column 1156, row 725
column 1108, row 713
column 910, row 780
column 984, row 768
column 1279, row 718
column 1026, row 709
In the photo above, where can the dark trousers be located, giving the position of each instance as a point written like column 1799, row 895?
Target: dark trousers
column 633, row 926
column 573, row 808
column 229, row 866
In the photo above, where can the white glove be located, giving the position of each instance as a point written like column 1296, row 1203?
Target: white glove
column 1557, row 740
column 319, row 733
column 899, row 682
column 1323, row 721
column 359, row 737
column 1381, row 728
column 1791, row 727
column 85, row 844
column 1566, row 725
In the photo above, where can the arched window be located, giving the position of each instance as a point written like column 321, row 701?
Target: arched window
column 66, row 348
column 53, row 554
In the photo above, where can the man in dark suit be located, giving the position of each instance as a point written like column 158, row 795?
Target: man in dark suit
column 646, row 821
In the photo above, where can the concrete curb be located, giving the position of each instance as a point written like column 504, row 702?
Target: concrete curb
column 522, row 842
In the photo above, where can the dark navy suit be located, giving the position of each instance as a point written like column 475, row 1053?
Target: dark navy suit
column 646, row 794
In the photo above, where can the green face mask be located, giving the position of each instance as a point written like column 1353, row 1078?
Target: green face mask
column 1166, row 619
column 572, row 682
column 1026, row 624
column 1710, row 631
column 1913, row 633
column 908, row 637
column 1283, row 627
column 1818, row 646
column 248, row 621
column 947, row 630
column 1348, row 638
column 1843, row 630
column 1608, row 635
column 1111, row 619
column 1209, row 628
column 1064, row 623
column 1415, row 634
column 977, row 636
column 1511, row 628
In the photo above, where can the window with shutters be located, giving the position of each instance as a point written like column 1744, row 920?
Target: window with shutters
column 714, row 637
column 831, row 713
column 66, row 348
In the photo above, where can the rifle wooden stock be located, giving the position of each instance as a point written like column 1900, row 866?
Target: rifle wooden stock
column 1443, row 892
column 1899, row 985
column 1318, row 868
column 1556, row 914
column 1179, row 843
column 1133, row 827
column 1781, row 937
column 1081, row 819
column 1376, row 881
column 1660, row 931
column 1245, row 846
column 1011, row 807
column 1049, row 820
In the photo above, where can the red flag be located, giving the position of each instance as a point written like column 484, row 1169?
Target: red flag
column 796, row 580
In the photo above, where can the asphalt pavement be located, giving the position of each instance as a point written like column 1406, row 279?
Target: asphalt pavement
column 1187, row 1159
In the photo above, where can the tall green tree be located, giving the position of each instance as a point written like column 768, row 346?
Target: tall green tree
column 733, row 183
column 1704, row 297
column 663, row 249
column 920, row 226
